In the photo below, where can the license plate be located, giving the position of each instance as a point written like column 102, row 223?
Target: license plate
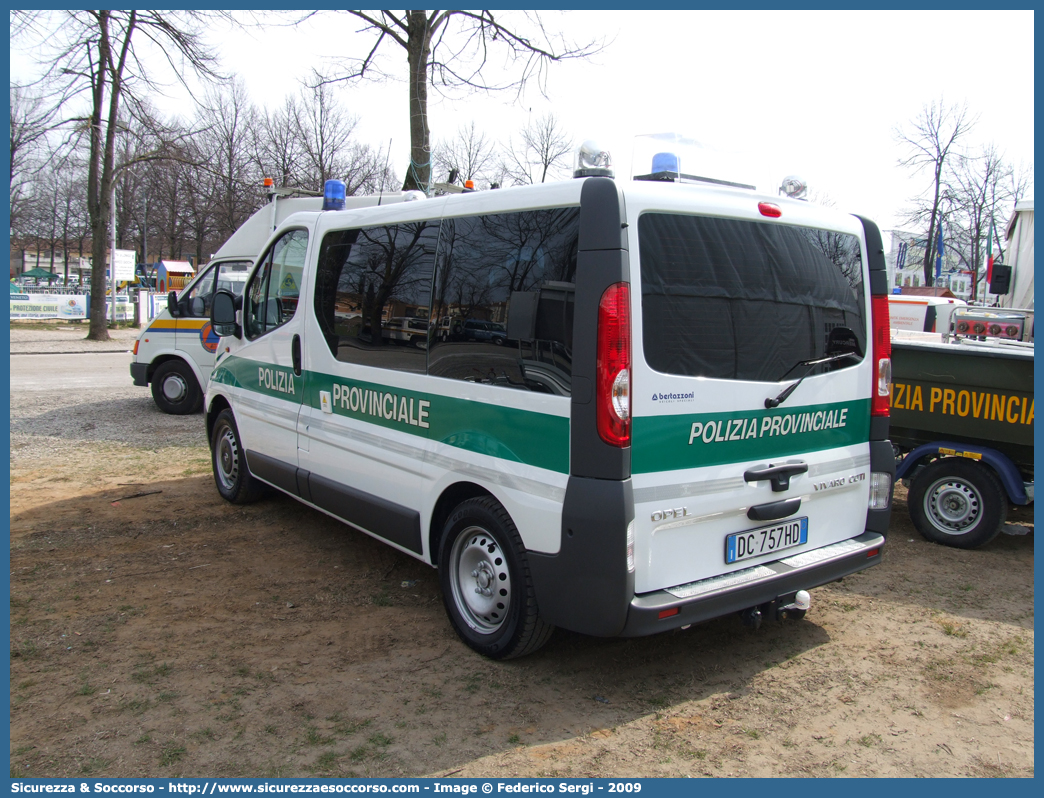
column 766, row 540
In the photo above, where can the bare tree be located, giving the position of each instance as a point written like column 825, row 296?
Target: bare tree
column 470, row 155
column 543, row 152
column 31, row 120
column 451, row 50
column 95, row 55
column 931, row 139
column 278, row 148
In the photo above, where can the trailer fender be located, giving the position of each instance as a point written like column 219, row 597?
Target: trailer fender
column 1009, row 475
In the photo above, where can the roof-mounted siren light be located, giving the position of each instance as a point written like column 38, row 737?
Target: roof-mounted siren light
column 592, row 161
column 666, row 166
column 794, row 187
column 333, row 195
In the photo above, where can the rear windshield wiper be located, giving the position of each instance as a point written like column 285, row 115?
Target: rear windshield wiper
column 770, row 403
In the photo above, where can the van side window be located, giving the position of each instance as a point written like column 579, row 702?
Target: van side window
column 373, row 293
column 502, row 310
column 231, row 276
column 272, row 294
column 203, row 289
column 740, row 300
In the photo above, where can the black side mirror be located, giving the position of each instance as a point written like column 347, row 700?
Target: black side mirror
column 172, row 304
column 223, row 314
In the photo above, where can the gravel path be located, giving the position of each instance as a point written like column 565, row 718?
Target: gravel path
column 88, row 424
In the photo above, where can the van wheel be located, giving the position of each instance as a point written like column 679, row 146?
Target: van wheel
column 175, row 390
column 485, row 581
column 234, row 481
column 957, row 503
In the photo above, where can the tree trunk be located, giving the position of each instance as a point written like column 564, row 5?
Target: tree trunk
column 929, row 249
column 97, row 197
column 418, row 174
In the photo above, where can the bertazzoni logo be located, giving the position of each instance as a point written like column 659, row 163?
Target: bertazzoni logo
column 674, row 397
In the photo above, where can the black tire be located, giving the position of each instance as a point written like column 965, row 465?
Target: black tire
column 175, row 390
column 234, row 481
column 957, row 502
column 480, row 551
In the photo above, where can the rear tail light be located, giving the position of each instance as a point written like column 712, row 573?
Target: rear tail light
column 613, row 388
column 630, row 547
column 882, row 354
column 880, row 491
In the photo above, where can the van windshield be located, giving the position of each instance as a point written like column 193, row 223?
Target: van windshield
column 741, row 300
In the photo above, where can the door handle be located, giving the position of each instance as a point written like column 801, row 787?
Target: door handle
column 295, row 353
column 774, row 510
column 779, row 475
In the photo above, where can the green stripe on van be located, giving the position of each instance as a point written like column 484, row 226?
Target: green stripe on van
column 668, row 443
column 522, row 436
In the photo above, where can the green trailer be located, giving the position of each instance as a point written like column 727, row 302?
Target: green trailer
column 962, row 426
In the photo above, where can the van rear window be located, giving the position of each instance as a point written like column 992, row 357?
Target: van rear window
column 741, row 300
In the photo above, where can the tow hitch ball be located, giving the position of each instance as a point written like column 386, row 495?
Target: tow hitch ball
column 791, row 607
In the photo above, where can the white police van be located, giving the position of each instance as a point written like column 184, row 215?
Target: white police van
column 175, row 352
column 687, row 417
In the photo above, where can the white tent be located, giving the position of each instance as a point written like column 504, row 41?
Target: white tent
column 1019, row 255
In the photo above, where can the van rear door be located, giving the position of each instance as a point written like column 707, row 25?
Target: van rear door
column 751, row 393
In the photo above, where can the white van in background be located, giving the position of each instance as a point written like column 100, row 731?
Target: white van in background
column 175, row 352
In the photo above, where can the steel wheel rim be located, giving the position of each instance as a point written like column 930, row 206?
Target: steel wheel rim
column 952, row 506
column 480, row 580
column 226, row 459
column 174, row 387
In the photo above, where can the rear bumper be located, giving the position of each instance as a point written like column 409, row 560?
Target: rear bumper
column 140, row 373
column 750, row 587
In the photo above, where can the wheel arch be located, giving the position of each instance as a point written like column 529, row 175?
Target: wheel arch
column 1002, row 466
column 450, row 497
column 217, row 404
column 166, row 357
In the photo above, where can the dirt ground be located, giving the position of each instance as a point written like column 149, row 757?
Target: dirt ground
column 158, row 631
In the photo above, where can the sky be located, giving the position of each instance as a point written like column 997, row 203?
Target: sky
column 818, row 94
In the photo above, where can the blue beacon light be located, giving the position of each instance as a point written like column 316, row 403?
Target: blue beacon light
column 333, row 195
column 665, row 162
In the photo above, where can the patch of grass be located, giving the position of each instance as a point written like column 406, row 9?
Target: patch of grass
column 381, row 600
column 514, row 739
column 869, row 740
column 471, row 683
column 243, row 670
column 313, row 737
column 204, row 734
column 432, row 692
column 440, row 739
column 380, row 739
column 145, row 738
column 136, row 706
column 270, row 729
column 93, row 765
column 953, row 629
column 327, row 760
column 346, row 728
column 752, row 734
column 171, row 754
column 86, row 689
column 358, row 754
column 147, row 675
column 659, row 701
column 167, row 696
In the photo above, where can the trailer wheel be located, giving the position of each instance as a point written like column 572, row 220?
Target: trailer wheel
column 958, row 503
column 485, row 582
column 175, row 389
column 234, row 481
